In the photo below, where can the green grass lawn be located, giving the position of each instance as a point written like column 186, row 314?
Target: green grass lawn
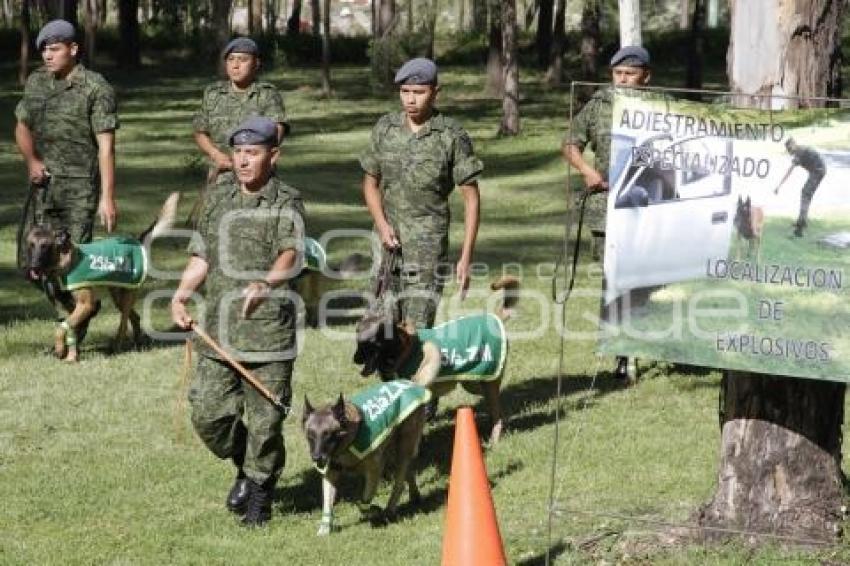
column 98, row 462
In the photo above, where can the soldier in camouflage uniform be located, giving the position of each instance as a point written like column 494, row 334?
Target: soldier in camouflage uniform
column 592, row 126
column 812, row 162
column 65, row 131
column 415, row 159
column 228, row 103
column 250, row 231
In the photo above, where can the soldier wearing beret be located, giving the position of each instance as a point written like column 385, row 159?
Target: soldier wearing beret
column 251, row 243
column 592, row 127
column 65, row 131
column 228, row 103
column 415, row 159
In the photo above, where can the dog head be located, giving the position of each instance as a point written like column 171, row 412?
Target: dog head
column 743, row 220
column 44, row 248
column 326, row 428
column 379, row 345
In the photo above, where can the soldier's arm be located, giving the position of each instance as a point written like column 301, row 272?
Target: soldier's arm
column 572, row 148
column 258, row 291
column 106, row 208
column 220, row 158
column 374, row 202
column 193, row 276
column 26, row 145
column 471, row 216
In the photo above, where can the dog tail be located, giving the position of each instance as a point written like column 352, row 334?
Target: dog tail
column 510, row 295
column 164, row 221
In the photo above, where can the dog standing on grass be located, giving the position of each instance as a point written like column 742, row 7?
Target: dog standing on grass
column 749, row 222
column 378, row 425
column 470, row 351
column 119, row 264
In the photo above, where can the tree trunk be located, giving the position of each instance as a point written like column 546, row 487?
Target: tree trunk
column 695, row 48
column 24, row 27
column 713, row 13
column 461, row 15
column 102, row 13
column 91, row 31
column 510, row 100
column 293, row 24
column 431, row 29
column 271, row 16
column 543, row 41
column 316, row 17
column 684, row 14
column 326, row 48
column 221, row 23
column 495, row 71
column 128, row 31
column 559, row 41
column 64, row 9
column 780, row 461
column 590, row 38
column 386, row 17
column 479, row 16
column 630, row 22
column 256, row 16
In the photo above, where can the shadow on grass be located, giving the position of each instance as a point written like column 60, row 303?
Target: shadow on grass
column 546, row 557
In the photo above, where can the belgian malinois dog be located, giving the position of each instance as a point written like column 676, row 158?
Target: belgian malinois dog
column 50, row 254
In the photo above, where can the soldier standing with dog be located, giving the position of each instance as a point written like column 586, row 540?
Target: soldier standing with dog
column 251, row 229
column 65, row 131
column 225, row 104
column 592, row 127
column 415, row 159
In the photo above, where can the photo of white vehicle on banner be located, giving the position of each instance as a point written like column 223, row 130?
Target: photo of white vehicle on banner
column 728, row 237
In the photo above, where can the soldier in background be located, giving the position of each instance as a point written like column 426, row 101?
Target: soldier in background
column 812, row 162
column 415, row 159
column 250, row 230
column 228, row 103
column 592, row 127
column 65, row 131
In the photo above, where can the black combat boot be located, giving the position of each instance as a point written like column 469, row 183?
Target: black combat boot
column 259, row 508
column 237, row 499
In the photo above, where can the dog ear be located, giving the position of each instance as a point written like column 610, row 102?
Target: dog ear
column 63, row 240
column 308, row 410
column 339, row 411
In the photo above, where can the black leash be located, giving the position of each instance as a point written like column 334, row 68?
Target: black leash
column 389, row 265
column 576, row 249
column 28, row 219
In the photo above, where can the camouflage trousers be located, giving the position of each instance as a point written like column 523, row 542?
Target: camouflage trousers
column 806, row 196
column 236, row 422
column 414, row 292
column 595, row 211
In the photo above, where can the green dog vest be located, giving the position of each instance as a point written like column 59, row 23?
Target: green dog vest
column 111, row 262
column 472, row 348
column 383, row 407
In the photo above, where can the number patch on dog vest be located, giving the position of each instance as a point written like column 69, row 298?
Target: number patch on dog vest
column 472, row 348
column 111, row 262
column 383, row 407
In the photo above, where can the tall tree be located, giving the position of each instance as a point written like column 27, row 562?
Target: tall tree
column 326, row 48
column 630, row 30
column 559, row 41
column 590, row 38
column 684, row 14
column 510, row 72
column 495, row 71
column 431, row 27
column 780, row 455
column 255, row 17
column 128, row 30
column 24, row 27
column 221, row 23
column 293, row 24
column 91, row 31
column 316, row 17
column 386, row 17
column 695, row 46
column 543, row 39
column 271, row 13
column 479, row 16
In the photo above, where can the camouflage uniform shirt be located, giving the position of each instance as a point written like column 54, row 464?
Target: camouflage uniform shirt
column 417, row 173
column 241, row 236
column 222, row 108
column 65, row 115
column 592, row 126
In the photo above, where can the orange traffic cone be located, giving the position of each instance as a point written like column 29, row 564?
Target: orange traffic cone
column 471, row 535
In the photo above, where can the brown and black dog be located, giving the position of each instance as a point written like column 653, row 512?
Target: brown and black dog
column 331, row 429
column 50, row 254
column 386, row 346
column 749, row 222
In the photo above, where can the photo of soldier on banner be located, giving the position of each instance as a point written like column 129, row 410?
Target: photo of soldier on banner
column 728, row 236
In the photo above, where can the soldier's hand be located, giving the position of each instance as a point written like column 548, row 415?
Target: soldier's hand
column 594, row 182
column 37, row 172
column 255, row 293
column 462, row 276
column 180, row 315
column 388, row 237
column 108, row 212
column 223, row 162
